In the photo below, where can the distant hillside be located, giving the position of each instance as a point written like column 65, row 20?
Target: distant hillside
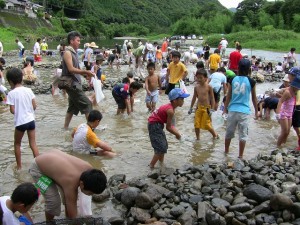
column 22, row 22
column 153, row 14
column 232, row 10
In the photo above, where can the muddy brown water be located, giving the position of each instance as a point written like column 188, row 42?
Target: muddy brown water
column 128, row 136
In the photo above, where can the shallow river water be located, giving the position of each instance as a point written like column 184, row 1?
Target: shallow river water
column 128, row 136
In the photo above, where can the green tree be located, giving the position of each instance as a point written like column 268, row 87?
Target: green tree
column 296, row 22
column 288, row 10
column 2, row 4
column 249, row 9
column 265, row 19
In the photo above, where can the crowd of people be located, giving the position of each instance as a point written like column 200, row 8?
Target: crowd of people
column 70, row 175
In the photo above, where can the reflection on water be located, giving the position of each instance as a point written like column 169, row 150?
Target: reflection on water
column 128, row 136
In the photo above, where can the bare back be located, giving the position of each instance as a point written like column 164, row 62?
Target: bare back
column 203, row 93
column 152, row 82
column 63, row 168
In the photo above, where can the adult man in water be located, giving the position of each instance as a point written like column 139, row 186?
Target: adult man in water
column 55, row 171
column 78, row 101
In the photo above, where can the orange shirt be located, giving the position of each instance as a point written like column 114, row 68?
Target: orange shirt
column 158, row 54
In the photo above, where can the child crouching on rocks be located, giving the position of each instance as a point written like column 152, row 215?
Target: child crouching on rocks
column 164, row 115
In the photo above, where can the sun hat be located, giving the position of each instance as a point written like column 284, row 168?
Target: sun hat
column 149, row 47
column 286, row 78
column 177, row 93
column 284, row 55
column 296, row 82
column 86, row 45
column 295, row 71
column 244, row 64
column 93, row 45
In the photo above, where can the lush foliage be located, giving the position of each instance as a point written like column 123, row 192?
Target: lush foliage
column 128, row 17
column 268, row 39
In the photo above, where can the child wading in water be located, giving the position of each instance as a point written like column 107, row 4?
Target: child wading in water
column 152, row 82
column 22, row 105
column 285, row 109
column 206, row 101
column 156, row 121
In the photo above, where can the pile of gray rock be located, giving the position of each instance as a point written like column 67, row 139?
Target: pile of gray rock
column 261, row 76
column 264, row 190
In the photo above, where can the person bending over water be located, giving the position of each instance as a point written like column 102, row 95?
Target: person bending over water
column 55, row 170
column 84, row 137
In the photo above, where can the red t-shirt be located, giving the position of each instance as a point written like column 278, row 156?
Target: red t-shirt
column 164, row 46
column 160, row 115
column 234, row 59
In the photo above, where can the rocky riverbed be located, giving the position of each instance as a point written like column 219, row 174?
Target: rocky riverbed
column 264, row 190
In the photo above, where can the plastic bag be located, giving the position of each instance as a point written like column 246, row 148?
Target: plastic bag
column 98, row 90
column 84, row 204
column 182, row 86
column 217, row 119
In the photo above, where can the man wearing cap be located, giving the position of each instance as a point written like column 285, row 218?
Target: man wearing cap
column 291, row 57
column 237, row 105
column 78, row 101
column 44, row 47
column 87, row 56
column 223, row 44
column 234, row 59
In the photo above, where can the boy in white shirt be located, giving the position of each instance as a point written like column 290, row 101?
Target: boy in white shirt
column 22, row 104
column 21, row 200
column 84, row 137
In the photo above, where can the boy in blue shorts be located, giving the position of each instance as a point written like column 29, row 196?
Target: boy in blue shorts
column 22, row 105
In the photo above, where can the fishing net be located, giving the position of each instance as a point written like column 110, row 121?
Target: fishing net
column 77, row 221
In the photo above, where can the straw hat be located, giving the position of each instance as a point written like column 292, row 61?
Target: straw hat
column 86, row 45
column 93, row 45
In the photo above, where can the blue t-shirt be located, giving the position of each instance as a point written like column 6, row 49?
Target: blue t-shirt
column 217, row 79
column 122, row 90
column 241, row 87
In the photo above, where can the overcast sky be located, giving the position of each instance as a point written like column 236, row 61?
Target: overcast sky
column 230, row 3
column 233, row 3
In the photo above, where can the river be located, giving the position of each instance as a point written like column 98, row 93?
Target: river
column 128, row 136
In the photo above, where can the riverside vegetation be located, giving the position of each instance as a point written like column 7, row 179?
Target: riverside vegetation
column 255, row 24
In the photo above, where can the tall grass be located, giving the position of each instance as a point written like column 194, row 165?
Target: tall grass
column 278, row 40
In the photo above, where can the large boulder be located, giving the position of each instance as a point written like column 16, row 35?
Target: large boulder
column 257, row 193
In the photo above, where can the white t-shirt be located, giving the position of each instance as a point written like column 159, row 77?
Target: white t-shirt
column 21, row 98
column 8, row 216
column 36, row 48
column 224, row 43
column 216, row 81
column 20, row 45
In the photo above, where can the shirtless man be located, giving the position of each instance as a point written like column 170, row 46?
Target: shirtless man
column 55, row 171
column 206, row 102
column 152, row 82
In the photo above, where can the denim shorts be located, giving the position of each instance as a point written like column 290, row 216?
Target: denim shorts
column 240, row 120
column 158, row 138
column 26, row 126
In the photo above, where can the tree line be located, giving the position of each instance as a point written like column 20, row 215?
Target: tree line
column 112, row 18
